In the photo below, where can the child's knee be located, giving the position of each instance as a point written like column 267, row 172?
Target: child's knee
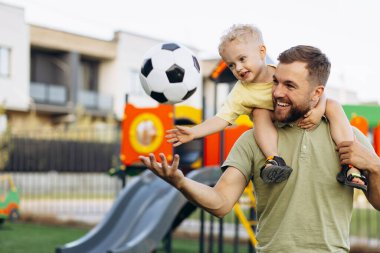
column 258, row 112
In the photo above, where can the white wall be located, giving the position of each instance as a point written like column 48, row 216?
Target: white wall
column 14, row 34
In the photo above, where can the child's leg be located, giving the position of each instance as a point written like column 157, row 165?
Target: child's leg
column 265, row 132
column 275, row 169
column 341, row 131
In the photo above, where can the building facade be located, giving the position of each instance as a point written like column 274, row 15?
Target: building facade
column 54, row 74
column 14, row 55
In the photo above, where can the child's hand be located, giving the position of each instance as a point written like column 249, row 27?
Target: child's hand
column 311, row 119
column 179, row 135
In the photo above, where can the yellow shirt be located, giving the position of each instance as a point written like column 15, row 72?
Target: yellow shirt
column 245, row 97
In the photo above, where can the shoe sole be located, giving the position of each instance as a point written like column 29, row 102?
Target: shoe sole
column 276, row 174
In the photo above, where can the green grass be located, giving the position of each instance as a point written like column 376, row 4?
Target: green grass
column 365, row 223
column 192, row 246
column 34, row 238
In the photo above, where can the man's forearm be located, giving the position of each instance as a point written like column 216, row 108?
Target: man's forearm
column 220, row 199
column 204, row 196
column 373, row 193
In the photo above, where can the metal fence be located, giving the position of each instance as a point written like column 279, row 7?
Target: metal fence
column 65, row 174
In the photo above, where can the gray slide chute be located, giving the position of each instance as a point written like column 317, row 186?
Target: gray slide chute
column 140, row 218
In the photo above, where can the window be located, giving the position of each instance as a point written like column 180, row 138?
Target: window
column 48, row 67
column 134, row 80
column 88, row 75
column 5, row 61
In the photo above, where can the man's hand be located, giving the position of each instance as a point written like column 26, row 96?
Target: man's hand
column 356, row 154
column 311, row 119
column 169, row 173
column 180, row 135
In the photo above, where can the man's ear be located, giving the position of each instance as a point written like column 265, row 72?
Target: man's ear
column 317, row 93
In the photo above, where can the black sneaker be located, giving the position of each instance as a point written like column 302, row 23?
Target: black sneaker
column 277, row 172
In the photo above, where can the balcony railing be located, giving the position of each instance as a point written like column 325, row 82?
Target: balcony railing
column 57, row 95
column 48, row 93
column 95, row 100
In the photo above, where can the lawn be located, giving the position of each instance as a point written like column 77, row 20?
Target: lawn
column 192, row 246
column 21, row 237
column 35, row 238
column 365, row 223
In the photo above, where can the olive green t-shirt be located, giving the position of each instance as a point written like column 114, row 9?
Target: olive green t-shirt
column 309, row 212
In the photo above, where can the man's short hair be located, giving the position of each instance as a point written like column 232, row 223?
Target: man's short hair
column 317, row 62
column 240, row 32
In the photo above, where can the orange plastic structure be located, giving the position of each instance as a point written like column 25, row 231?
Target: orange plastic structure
column 361, row 123
column 212, row 144
column 376, row 139
column 143, row 131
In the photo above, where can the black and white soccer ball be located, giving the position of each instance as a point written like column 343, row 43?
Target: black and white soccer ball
column 170, row 73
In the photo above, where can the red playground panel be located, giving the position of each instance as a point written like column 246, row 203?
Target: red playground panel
column 212, row 144
column 143, row 132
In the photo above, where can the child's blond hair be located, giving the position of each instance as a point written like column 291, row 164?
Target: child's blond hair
column 240, row 32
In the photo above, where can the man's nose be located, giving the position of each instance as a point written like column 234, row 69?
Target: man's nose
column 277, row 91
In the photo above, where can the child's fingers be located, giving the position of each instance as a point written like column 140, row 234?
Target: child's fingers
column 306, row 122
column 177, row 144
column 183, row 129
column 302, row 123
column 307, row 114
column 172, row 140
column 171, row 131
column 168, row 136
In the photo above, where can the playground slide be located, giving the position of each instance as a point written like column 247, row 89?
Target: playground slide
column 140, row 217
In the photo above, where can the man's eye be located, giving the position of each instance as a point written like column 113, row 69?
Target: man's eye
column 230, row 66
column 290, row 87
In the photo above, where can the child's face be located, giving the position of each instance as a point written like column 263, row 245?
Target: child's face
column 246, row 59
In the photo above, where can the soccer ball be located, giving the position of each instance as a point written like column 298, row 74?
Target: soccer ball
column 170, row 73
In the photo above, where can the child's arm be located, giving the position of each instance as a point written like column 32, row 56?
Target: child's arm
column 182, row 134
column 339, row 125
column 265, row 132
column 314, row 116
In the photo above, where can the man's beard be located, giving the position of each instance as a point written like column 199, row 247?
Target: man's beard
column 294, row 114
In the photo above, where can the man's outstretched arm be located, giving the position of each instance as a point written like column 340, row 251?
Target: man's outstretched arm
column 362, row 158
column 217, row 200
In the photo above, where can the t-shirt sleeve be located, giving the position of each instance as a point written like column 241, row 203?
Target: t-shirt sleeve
column 362, row 138
column 233, row 106
column 241, row 156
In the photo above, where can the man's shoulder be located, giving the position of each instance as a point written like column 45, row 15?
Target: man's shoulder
column 248, row 133
column 247, row 138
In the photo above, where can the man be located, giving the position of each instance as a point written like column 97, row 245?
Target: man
column 311, row 211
